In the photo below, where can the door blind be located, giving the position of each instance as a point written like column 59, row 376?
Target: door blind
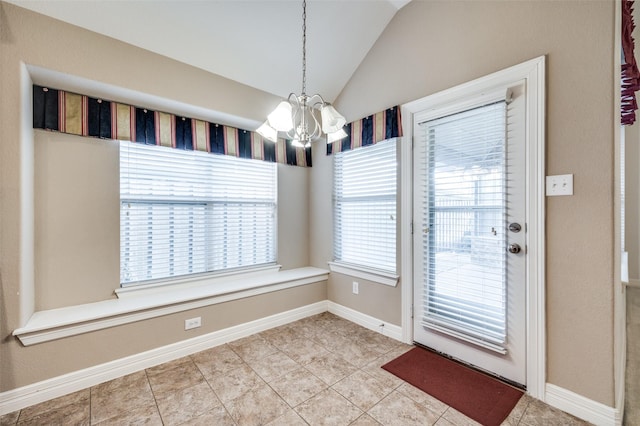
column 464, row 218
column 365, row 181
column 188, row 212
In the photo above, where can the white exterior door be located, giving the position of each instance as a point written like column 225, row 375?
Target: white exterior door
column 469, row 231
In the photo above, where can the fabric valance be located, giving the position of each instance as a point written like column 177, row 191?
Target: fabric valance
column 82, row 115
column 630, row 79
column 370, row 130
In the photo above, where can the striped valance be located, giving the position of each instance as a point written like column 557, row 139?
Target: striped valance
column 369, row 130
column 83, row 115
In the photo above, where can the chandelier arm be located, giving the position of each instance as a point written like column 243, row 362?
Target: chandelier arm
column 317, row 130
column 316, row 101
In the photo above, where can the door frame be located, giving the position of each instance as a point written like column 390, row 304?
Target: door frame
column 533, row 74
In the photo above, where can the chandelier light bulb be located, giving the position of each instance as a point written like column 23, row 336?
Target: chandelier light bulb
column 268, row 132
column 281, row 118
column 336, row 136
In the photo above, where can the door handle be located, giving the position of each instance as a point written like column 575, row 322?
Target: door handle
column 514, row 248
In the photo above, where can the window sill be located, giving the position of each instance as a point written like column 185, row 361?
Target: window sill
column 188, row 282
column 54, row 324
column 356, row 271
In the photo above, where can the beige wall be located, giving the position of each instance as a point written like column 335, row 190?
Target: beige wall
column 632, row 199
column 432, row 45
column 77, row 220
column 74, row 255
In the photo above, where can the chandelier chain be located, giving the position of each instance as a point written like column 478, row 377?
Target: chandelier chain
column 297, row 116
column 304, row 46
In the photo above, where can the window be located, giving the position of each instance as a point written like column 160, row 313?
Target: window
column 365, row 206
column 189, row 212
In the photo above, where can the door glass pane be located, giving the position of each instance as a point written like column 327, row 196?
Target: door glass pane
column 464, row 237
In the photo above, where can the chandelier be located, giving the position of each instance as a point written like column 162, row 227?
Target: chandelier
column 297, row 117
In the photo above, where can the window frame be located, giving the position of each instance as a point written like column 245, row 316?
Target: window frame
column 377, row 275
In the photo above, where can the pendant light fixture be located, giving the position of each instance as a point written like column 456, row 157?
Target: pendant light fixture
column 296, row 118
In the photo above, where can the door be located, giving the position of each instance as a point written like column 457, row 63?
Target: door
column 469, row 232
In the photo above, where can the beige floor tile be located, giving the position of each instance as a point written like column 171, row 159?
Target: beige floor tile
column 365, row 420
column 303, row 351
column 108, row 402
column 457, row 418
column 330, row 339
column 282, row 335
column 138, row 416
column 539, row 413
column 290, row 418
column 328, row 408
column 423, row 398
column 252, row 348
column 397, row 409
column 298, row 386
column 510, row 421
column 9, row 419
column 216, row 361
column 521, row 406
column 383, row 376
column 444, row 422
column 357, row 354
column 162, row 368
column 76, row 414
column 257, row 407
column 216, row 417
column 57, row 404
column 185, row 404
column 235, row 383
column 273, row 366
column 180, row 377
column 362, row 390
column 330, row 368
column 134, row 380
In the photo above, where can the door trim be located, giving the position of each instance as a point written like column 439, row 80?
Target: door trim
column 533, row 73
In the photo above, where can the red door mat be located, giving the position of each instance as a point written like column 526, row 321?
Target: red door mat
column 477, row 395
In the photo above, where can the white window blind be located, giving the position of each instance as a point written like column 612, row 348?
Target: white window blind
column 188, row 212
column 464, row 212
column 365, row 206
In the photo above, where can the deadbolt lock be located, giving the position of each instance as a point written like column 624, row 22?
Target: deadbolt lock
column 514, row 227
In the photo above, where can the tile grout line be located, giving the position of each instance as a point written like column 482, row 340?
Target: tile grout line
column 155, row 400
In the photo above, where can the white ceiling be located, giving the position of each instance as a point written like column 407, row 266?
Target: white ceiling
column 255, row 42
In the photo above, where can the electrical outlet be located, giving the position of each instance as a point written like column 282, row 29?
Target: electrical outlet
column 559, row 185
column 355, row 287
column 192, row 323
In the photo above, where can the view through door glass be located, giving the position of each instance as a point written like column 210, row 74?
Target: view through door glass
column 469, row 294
column 465, row 265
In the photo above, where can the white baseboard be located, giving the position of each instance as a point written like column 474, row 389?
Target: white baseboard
column 382, row 327
column 35, row 393
column 584, row 408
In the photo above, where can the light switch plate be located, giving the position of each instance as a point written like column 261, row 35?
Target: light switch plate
column 559, row 185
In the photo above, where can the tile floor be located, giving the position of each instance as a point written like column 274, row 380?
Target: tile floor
column 322, row 370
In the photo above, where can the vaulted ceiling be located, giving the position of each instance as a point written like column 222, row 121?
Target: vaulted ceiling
column 255, row 42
